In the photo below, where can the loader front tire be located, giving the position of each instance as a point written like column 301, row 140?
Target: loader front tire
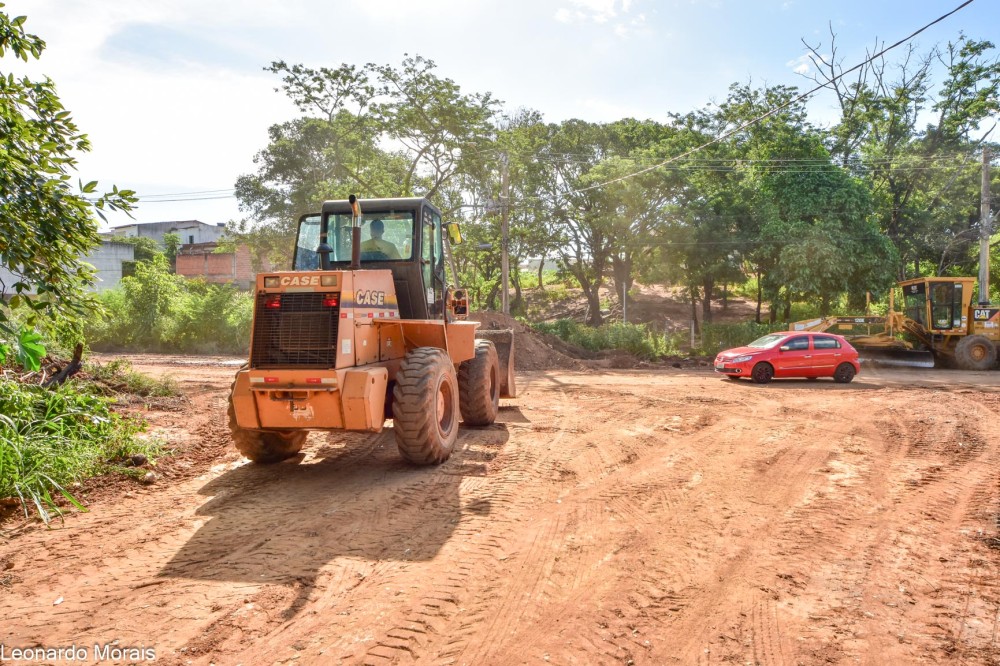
column 265, row 446
column 425, row 406
column 479, row 386
column 975, row 352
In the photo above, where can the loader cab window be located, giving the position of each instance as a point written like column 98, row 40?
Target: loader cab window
column 915, row 296
column 306, row 243
column 385, row 236
column 432, row 262
column 946, row 305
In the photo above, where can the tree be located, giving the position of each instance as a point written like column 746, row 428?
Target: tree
column 373, row 130
column 46, row 225
column 923, row 175
column 171, row 244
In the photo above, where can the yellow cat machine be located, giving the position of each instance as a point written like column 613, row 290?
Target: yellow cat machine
column 365, row 327
column 938, row 313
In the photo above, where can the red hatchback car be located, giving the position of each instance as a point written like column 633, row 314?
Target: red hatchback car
column 791, row 354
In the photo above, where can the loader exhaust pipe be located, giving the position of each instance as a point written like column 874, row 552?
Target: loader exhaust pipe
column 355, row 232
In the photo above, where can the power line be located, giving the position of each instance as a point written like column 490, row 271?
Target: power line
column 776, row 109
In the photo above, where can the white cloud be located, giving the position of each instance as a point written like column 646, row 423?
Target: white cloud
column 597, row 11
column 399, row 10
column 602, row 12
column 802, row 65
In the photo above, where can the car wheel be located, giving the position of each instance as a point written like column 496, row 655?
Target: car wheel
column 763, row 373
column 844, row 373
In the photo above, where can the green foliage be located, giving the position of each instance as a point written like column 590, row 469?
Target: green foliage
column 156, row 310
column 29, row 350
column 351, row 114
column 171, row 243
column 46, row 220
column 716, row 337
column 50, row 439
column 810, row 214
column 146, row 249
column 635, row 339
column 119, row 377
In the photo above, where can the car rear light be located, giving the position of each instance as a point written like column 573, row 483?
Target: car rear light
column 273, row 302
column 331, row 300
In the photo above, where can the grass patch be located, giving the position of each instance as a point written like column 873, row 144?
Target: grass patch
column 52, row 438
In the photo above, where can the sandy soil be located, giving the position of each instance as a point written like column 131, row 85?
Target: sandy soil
column 650, row 517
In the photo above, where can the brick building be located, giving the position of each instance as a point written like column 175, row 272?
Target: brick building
column 200, row 260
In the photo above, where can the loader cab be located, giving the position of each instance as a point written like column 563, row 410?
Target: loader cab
column 404, row 235
column 938, row 304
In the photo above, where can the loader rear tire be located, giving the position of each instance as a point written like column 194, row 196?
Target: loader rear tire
column 976, row 352
column 265, row 446
column 425, row 406
column 479, row 386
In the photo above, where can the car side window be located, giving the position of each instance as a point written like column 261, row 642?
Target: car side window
column 825, row 343
column 797, row 344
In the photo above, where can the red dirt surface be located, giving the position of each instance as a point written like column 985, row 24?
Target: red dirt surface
column 646, row 517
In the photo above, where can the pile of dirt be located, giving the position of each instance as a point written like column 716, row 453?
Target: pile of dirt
column 534, row 350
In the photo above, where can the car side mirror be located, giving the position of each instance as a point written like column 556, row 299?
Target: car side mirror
column 784, row 348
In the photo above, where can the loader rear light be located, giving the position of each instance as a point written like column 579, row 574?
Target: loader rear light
column 271, row 380
column 273, row 302
column 331, row 300
column 313, row 380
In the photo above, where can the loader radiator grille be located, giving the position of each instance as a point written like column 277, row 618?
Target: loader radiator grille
column 301, row 332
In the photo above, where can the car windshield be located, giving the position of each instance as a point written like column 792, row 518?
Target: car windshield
column 767, row 341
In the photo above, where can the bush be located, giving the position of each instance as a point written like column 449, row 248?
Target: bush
column 716, row 337
column 635, row 339
column 119, row 377
column 156, row 310
column 52, row 438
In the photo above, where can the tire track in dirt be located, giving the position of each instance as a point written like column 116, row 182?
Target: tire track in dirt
column 644, row 517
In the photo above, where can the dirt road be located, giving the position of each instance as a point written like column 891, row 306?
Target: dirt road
column 648, row 517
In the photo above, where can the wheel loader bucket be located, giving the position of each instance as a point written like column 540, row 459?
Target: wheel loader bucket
column 896, row 358
column 503, row 340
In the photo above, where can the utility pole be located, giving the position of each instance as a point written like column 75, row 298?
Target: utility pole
column 985, row 231
column 505, row 235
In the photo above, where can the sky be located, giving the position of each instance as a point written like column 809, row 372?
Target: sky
column 176, row 102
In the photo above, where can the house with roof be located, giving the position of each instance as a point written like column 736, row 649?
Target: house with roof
column 191, row 232
column 107, row 259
